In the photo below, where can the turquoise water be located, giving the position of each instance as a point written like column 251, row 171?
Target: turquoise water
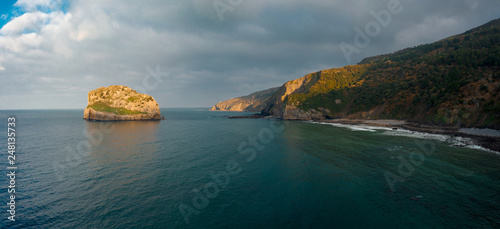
column 240, row 173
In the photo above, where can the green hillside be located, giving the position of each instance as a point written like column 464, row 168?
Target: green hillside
column 454, row 81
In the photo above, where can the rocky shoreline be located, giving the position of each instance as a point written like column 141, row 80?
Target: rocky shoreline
column 487, row 142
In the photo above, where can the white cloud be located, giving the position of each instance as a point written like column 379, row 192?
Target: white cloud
column 90, row 78
column 2, row 68
column 21, row 43
column 50, row 79
column 26, row 22
column 33, row 5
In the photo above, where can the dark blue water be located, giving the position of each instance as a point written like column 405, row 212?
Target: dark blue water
column 198, row 169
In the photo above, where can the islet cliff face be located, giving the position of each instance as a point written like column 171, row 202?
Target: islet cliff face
column 120, row 103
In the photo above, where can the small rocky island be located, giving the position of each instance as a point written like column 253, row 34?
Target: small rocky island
column 120, row 103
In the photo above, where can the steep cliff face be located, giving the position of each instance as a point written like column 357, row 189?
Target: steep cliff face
column 288, row 102
column 277, row 104
column 254, row 102
column 120, row 103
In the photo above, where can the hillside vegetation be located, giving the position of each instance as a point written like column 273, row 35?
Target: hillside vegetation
column 452, row 81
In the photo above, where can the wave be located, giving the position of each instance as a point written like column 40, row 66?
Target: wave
column 478, row 147
column 419, row 135
column 354, row 127
column 455, row 141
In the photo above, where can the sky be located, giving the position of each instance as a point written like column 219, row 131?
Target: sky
column 195, row 53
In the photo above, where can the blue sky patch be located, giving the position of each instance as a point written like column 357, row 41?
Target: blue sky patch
column 8, row 11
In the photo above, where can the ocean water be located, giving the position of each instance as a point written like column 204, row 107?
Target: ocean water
column 198, row 169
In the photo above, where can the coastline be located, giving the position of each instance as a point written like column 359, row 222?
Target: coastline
column 487, row 142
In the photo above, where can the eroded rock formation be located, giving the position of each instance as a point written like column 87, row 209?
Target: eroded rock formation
column 120, row 103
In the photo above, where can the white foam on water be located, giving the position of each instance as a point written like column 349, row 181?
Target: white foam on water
column 452, row 140
column 477, row 147
column 354, row 127
column 395, row 148
column 415, row 134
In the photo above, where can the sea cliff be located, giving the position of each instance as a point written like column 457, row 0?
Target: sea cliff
column 254, row 102
column 120, row 103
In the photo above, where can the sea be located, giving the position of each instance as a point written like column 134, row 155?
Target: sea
column 200, row 169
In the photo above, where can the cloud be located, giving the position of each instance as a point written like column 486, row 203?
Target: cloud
column 35, row 5
column 22, row 43
column 50, row 79
column 52, row 46
column 27, row 22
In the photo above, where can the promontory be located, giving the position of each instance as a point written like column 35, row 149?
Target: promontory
column 453, row 82
column 120, row 103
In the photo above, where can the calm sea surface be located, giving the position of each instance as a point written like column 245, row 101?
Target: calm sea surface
column 198, row 169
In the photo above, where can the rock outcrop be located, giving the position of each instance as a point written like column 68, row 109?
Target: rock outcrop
column 120, row 103
column 255, row 102
column 278, row 107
